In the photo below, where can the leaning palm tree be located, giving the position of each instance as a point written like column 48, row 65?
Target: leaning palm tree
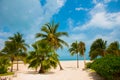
column 42, row 56
column 52, row 36
column 114, row 48
column 98, row 48
column 75, row 49
column 82, row 50
column 21, row 46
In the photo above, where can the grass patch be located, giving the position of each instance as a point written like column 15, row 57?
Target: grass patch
column 6, row 74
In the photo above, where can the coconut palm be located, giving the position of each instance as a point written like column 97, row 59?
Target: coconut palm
column 52, row 36
column 82, row 49
column 75, row 49
column 21, row 46
column 98, row 48
column 42, row 57
column 114, row 48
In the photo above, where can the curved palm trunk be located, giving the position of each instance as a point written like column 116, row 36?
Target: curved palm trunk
column 77, row 61
column 60, row 65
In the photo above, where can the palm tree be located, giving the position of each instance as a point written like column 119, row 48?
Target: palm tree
column 114, row 48
column 50, row 34
column 42, row 56
column 19, row 44
column 82, row 50
column 75, row 49
column 9, row 51
column 98, row 48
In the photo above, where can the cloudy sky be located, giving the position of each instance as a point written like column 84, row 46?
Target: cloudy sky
column 84, row 20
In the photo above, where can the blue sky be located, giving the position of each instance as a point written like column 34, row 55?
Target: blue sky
column 84, row 20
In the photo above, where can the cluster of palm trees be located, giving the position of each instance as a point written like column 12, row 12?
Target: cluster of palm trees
column 99, row 48
column 78, row 48
column 15, row 49
column 44, row 54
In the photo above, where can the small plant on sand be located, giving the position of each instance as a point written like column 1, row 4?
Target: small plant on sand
column 42, row 56
column 4, row 64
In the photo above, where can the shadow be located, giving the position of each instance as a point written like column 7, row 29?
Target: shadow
column 47, row 73
column 34, row 72
column 31, row 72
column 72, row 68
column 95, row 76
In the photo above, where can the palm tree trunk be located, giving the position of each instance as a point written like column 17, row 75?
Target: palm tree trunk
column 41, row 69
column 12, row 66
column 84, row 60
column 60, row 65
column 77, row 61
column 17, row 66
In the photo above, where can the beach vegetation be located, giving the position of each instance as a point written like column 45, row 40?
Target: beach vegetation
column 108, row 67
column 49, row 32
column 42, row 56
column 77, row 48
column 4, row 64
column 98, row 49
column 15, row 49
column 114, row 48
column 82, row 50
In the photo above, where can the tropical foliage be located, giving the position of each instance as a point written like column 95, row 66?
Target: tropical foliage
column 43, row 56
column 4, row 64
column 98, row 48
column 108, row 67
column 49, row 33
column 15, row 48
column 114, row 48
column 82, row 49
column 78, row 49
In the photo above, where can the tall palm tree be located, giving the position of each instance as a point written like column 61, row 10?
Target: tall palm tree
column 42, row 56
column 75, row 49
column 21, row 46
column 52, row 36
column 114, row 48
column 98, row 48
column 82, row 50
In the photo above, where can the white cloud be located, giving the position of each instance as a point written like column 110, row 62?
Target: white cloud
column 28, row 16
column 101, row 19
column 5, row 34
column 81, row 8
column 70, row 23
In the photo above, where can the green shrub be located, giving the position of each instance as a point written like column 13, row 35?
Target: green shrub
column 4, row 64
column 108, row 67
column 88, row 64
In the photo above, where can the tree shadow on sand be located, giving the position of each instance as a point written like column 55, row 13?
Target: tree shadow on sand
column 72, row 68
column 34, row 72
column 95, row 76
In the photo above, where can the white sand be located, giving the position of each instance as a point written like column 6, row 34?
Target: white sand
column 70, row 72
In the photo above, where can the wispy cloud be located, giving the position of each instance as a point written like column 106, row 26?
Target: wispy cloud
column 81, row 9
column 100, row 18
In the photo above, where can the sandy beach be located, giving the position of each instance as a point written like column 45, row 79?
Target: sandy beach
column 70, row 72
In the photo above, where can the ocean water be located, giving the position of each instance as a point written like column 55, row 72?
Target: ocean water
column 66, row 58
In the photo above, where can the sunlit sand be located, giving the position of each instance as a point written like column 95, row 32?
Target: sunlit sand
column 70, row 72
